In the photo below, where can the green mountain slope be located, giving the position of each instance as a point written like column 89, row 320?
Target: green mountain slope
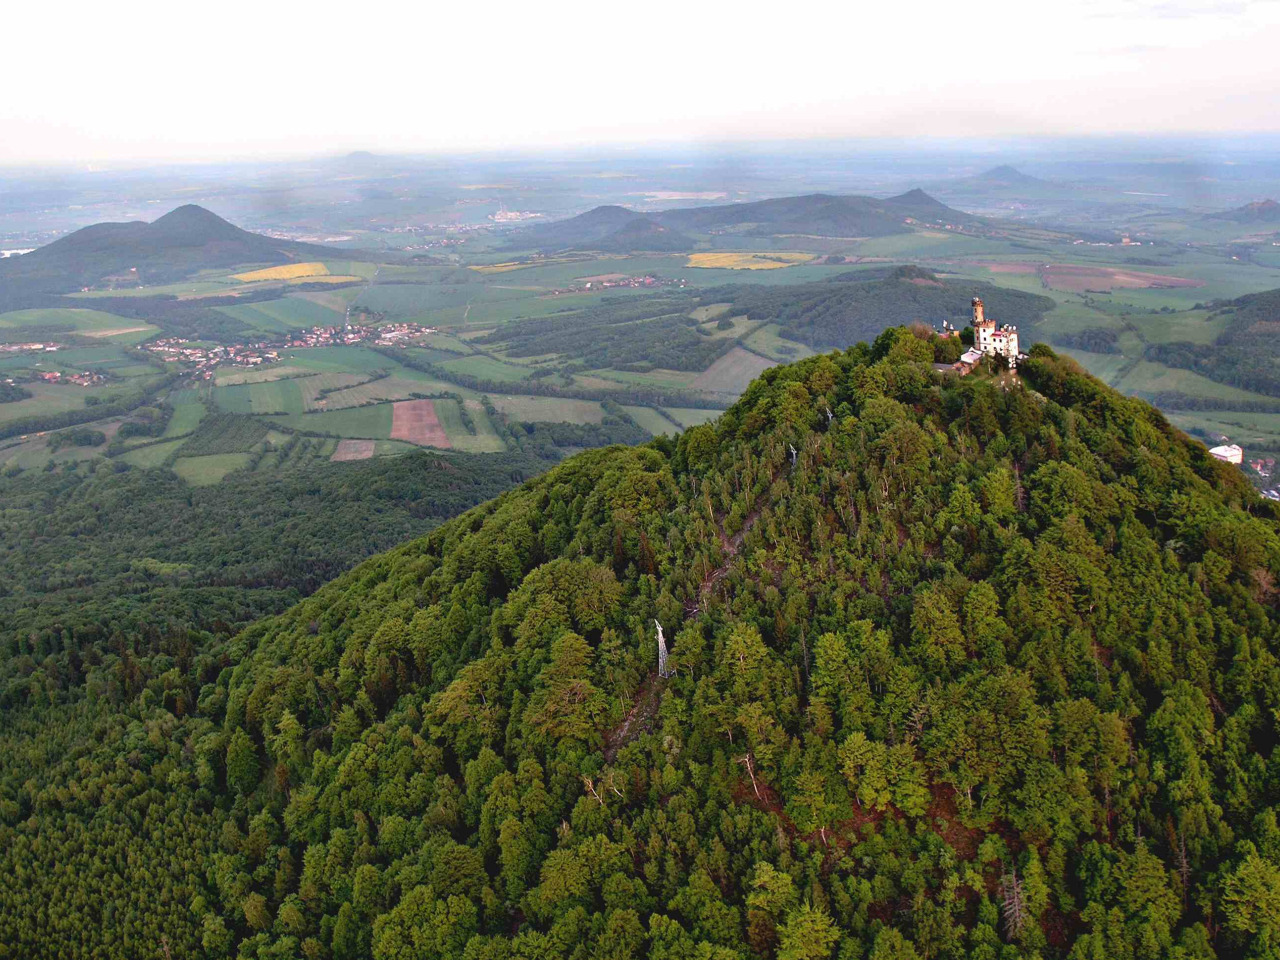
column 184, row 240
column 959, row 668
column 858, row 305
column 1245, row 354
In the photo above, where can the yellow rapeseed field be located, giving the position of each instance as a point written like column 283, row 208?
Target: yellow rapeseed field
column 290, row 271
column 772, row 260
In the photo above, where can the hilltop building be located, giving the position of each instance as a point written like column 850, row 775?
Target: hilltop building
column 992, row 339
column 1228, row 453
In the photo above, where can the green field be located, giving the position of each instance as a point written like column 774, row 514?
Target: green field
column 552, row 409
column 767, row 342
column 273, row 396
column 152, row 456
column 203, row 471
column 487, row 368
column 186, row 417
column 283, row 315
column 484, row 440
column 652, row 420
column 692, row 416
column 372, row 422
column 75, row 320
column 1148, row 378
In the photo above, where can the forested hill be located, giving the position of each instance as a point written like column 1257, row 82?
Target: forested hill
column 186, row 239
column 973, row 667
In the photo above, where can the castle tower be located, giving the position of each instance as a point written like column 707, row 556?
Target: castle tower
column 984, row 330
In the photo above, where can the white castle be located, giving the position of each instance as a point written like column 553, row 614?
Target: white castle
column 992, row 340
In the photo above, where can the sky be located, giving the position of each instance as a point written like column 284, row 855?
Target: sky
column 105, row 83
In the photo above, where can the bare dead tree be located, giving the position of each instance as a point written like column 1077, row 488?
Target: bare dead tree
column 591, row 789
column 1014, row 907
column 749, row 762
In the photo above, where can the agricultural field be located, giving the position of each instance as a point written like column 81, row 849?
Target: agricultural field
column 487, row 368
column 186, row 417
column 291, row 271
column 353, row 450
column 371, row 422
column 152, row 455
column 745, row 260
column 54, row 320
column 271, row 396
column 652, row 420
column 206, row 470
column 284, row 315
column 732, row 373
column 549, row 409
column 484, row 440
column 231, row 376
column 692, row 416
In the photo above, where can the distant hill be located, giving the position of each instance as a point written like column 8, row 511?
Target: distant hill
column 1005, row 175
column 857, row 306
column 1261, row 211
column 612, row 229
column 183, row 241
column 618, row 229
column 818, row 214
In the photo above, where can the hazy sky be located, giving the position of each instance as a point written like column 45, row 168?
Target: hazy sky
column 152, row 80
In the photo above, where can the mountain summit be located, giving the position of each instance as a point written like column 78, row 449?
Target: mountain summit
column 184, row 240
column 974, row 666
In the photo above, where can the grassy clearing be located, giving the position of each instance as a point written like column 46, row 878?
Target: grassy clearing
column 344, row 359
column 766, row 341
column 551, row 409
column 152, row 456
column 1239, row 426
column 487, row 368
column 372, row 422
column 376, row 391
column 710, row 311
column 1105, row 366
column 230, row 376
column 186, row 417
column 313, row 387
column 671, row 379
column 691, row 416
column 1147, row 378
column 206, row 471
column 283, row 315
column 274, row 396
column 1194, row 326
column 484, row 440
column 74, row 320
column 289, row 271
column 732, row 373
column 652, row 420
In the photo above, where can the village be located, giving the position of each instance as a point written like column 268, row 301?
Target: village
column 207, row 357
column 617, row 281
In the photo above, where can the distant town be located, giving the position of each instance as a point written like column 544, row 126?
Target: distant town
column 207, row 357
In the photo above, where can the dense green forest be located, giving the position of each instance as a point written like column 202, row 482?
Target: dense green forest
column 858, row 305
column 959, row 667
column 640, row 332
column 109, row 573
column 1244, row 355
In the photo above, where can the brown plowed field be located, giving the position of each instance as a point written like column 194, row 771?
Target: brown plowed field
column 416, row 422
column 353, row 450
column 1075, row 278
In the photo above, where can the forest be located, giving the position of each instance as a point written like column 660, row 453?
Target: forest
column 1244, row 355
column 107, row 570
column 858, row 305
column 977, row 667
